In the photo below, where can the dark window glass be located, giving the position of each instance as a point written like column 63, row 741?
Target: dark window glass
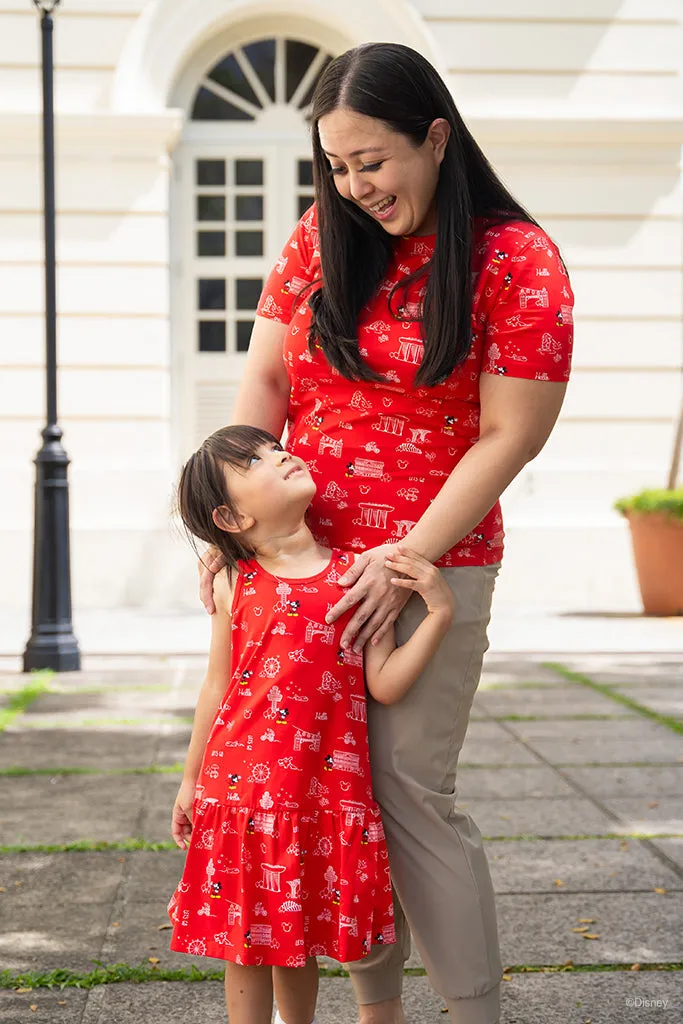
column 211, row 293
column 244, row 329
column 210, row 172
column 304, row 203
column 305, row 172
column 248, row 290
column 210, row 207
column 229, row 74
column 299, row 56
column 262, row 58
column 249, row 243
column 248, row 172
column 212, row 335
column 211, row 243
column 309, row 95
column 209, row 107
column 248, row 207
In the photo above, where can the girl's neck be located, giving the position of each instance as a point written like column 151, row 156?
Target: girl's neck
column 295, row 550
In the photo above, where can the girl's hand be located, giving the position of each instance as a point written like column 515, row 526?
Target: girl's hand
column 424, row 578
column 181, row 817
column 208, row 565
column 379, row 603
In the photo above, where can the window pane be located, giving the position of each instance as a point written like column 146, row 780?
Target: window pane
column 211, row 293
column 209, row 107
column 212, row 336
column 248, row 172
column 305, row 172
column 309, row 95
column 244, row 329
column 248, row 207
column 210, row 172
column 299, row 56
column 262, row 57
column 210, row 207
column 229, row 74
column 211, row 243
column 249, row 243
column 304, row 203
column 248, row 290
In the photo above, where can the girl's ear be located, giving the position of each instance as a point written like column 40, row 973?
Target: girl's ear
column 225, row 520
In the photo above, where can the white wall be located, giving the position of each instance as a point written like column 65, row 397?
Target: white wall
column 578, row 105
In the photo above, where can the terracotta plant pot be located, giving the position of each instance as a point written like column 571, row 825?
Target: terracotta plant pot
column 658, row 552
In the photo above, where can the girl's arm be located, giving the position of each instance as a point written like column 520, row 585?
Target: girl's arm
column 213, row 690
column 389, row 670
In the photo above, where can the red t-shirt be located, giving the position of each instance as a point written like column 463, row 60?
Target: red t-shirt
column 380, row 452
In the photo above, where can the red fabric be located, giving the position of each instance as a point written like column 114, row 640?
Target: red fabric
column 381, row 452
column 287, row 857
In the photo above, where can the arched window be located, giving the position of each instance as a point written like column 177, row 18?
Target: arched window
column 244, row 175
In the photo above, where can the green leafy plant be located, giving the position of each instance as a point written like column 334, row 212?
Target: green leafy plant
column 668, row 500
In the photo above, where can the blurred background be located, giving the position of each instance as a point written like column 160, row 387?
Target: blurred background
column 182, row 164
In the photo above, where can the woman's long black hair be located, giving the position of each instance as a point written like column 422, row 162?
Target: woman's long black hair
column 398, row 86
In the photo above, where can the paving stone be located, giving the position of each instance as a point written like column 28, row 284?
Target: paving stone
column 505, row 668
column 105, row 703
column 160, row 795
column 534, row 817
column 559, row 701
column 633, row 928
column 664, row 814
column 62, row 748
column 64, row 808
column 172, row 747
column 673, row 848
column 511, row 783
column 613, row 997
column 60, row 879
column 614, row 669
column 138, row 937
column 564, row 742
column 587, row 865
column 665, row 700
column 637, row 780
column 52, row 1006
column 495, row 752
column 152, row 876
column 46, row 936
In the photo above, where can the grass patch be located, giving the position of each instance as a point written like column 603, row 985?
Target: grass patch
column 152, row 769
column 577, row 677
column 23, row 698
column 116, row 973
column 89, row 845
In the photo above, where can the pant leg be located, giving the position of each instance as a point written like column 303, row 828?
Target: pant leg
column 439, row 869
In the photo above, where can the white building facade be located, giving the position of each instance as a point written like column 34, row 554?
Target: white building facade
column 183, row 163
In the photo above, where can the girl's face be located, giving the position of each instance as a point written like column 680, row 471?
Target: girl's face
column 383, row 172
column 270, row 488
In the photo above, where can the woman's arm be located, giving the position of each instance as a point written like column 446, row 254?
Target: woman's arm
column 517, row 417
column 213, row 690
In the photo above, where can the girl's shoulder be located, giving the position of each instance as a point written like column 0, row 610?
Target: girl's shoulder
column 224, row 590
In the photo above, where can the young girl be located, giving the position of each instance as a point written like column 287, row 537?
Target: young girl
column 287, row 859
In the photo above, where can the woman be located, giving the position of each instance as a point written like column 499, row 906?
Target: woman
column 415, row 335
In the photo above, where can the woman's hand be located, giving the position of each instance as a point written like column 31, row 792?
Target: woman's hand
column 181, row 817
column 379, row 601
column 208, row 565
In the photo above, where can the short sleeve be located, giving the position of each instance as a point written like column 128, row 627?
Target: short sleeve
column 529, row 323
column 295, row 269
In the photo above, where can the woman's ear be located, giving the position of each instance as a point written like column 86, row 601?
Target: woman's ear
column 224, row 519
column 438, row 135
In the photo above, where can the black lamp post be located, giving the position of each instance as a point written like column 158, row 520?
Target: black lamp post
column 52, row 643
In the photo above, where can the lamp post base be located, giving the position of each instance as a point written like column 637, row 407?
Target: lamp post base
column 52, row 643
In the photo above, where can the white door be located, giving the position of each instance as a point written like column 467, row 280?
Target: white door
column 239, row 190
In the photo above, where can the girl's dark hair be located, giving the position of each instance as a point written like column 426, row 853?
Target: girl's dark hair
column 398, row 86
column 202, row 488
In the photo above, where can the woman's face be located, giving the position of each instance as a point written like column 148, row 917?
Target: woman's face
column 383, row 172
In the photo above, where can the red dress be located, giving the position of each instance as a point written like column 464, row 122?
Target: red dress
column 287, row 857
column 381, row 452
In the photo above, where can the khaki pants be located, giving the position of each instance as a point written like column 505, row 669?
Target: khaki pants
column 442, row 887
